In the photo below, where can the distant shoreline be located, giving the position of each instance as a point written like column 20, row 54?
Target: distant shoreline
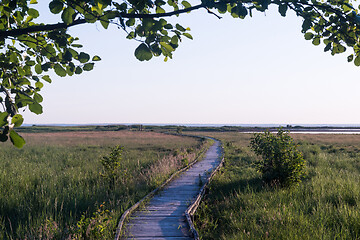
column 193, row 128
column 294, row 126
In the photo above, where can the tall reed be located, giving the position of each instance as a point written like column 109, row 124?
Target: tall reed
column 52, row 187
column 324, row 206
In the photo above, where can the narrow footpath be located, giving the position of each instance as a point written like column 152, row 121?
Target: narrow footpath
column 164, row 215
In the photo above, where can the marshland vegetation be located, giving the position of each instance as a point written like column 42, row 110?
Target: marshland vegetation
column 53, row 188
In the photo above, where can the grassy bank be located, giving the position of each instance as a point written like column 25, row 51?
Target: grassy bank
column 52, row 189
column 324, row 206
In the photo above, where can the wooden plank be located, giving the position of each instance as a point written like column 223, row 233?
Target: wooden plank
column 164, row 215
column 157, row 230
column 155, row 214
column 167, row 204
column 157, row 220
column 174, row 198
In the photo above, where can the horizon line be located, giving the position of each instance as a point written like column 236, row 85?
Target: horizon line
column 202, row 124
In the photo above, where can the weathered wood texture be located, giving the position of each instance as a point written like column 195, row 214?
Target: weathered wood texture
column 164, row 216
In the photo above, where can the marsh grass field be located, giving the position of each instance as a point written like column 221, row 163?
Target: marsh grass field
column 325, row 205
column 52, row 187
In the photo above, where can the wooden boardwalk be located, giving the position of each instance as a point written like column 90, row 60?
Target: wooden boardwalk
column 164, row 215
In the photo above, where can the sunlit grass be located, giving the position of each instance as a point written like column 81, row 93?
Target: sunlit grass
column 324, row 206
column 49, row 184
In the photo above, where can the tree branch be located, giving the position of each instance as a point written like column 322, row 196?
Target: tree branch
column 39, row 28
column 51, row 27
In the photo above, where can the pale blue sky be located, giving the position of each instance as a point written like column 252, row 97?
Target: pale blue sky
column 257, row 70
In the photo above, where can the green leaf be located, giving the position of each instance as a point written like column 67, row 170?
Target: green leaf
column 77, row 46
column 21, row 71
column 33, row 2
column 39, row 85
column 327, row 47
column 186, row 4
column 167, row 46
column 38, row 98
column 59, row 70
column 24, row 81
column 104, row 22
column 73, row 52
column 111, row 14
column 78, row 70
column 56, row 6
column 88, row 67
column 89, row 17
column 70, row 70
column 47, row 78
column 30, row 63
column 38, row 68
column 3, row 118
column 188, row 35
column 83, row 57
column 36, row 108
column 159, row 10
column 222, row 7
column 180, row 28
column 67, row 15
column 357, row 61
column 283, row 9
column 131, row 35
column 309, row 36
column 142, row 52
column 306, row 25
column 67, row 56
column 130, row 22
column 16, row 139
column 96, row 58
column 22, row 100
column 33, row 12
column 13, row 57
column 168, row 26
column 147, row 24
column 17, row 120
column 316, row 41
column 174, row 39
column 347, row 7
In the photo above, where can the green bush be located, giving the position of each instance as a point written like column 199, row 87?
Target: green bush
column 92, row 227
column 111, row 166
column 281, row 163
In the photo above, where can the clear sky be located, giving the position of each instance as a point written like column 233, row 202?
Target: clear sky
column 252, row 71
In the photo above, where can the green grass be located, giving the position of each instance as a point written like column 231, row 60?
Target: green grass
column 47, row 186
column 324, row 206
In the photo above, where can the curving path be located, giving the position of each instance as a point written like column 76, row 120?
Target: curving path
column 164, row 215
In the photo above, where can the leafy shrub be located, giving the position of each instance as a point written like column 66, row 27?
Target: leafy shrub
column 92, row 227
column 185, row 162
column 112, row 165
column 281, row 164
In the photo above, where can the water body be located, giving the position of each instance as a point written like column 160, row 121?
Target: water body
column 317, row 132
